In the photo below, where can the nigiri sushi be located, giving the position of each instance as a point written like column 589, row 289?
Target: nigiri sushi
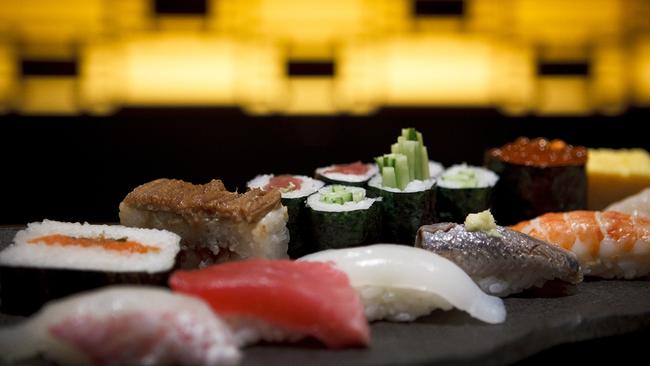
column 123, row 325
column 501, row 261
column 637, row 204
column 401, row 283
column 608, row 244
column 278, row 300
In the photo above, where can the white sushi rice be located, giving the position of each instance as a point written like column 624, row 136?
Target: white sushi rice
column 486, row 178
column 435, row 169
column 413, row 186
column 314, row 201
column 308, row 186
column 24, row 254
column 350, row 178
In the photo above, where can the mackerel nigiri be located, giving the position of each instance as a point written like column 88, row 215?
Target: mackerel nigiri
column 277, row 300
column 401, row 283
column 123, row 325
column 608, row 244
column 500, row 260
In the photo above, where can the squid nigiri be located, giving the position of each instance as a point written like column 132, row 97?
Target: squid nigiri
column 401, row 283
column 608, row 244
column 278, row 300
column 123, row 325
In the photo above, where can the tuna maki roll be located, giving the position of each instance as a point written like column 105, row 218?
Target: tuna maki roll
column 52, row 259
column 463, row 189
column 537, row 176
column 294, row 189
column 354, row 174
column 342, row 216
column 406, row 188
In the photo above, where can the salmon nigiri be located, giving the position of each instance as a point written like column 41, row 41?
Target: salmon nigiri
column 277, row 300
column 608, row 244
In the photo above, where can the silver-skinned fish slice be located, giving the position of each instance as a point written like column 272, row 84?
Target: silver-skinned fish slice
column 501, row 264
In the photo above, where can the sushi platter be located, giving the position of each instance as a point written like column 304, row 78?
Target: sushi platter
column 400, row 261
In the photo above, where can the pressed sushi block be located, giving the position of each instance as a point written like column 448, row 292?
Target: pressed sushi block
column 53, row 259
column 215, row 225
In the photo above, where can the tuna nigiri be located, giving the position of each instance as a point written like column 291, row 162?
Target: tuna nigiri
column 123, row 326
column 277, row 300
column 607, row 244
column 401, row 283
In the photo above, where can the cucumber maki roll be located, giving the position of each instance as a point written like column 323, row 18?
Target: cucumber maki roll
column 463, row 189
column 537, row 176
column 343, row 217
column 406, row 188
column 354, row 174
column 294, row 189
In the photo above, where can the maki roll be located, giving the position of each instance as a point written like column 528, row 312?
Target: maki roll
column 294, row 190
column 406, row 188
column 354, row 174
column 52, row 259
column 343, row 217
column 537, row 176
column 463, row 189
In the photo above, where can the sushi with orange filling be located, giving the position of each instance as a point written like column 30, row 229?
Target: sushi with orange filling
column 50, row 260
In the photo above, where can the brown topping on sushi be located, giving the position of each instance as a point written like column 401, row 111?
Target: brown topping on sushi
column 199, row 201
column 540, row 152
column 118, row 245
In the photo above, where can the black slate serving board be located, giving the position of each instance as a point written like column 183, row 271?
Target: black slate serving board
column 597, row 309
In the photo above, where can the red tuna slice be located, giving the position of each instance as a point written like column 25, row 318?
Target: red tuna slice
column 309, row 298
column 356, row 168
column 286, row 183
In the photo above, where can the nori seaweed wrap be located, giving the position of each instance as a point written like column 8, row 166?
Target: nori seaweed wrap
column 462, row 190
column 354, row 174
column 537, row 176
column 342, row 217
column 294, row 189
column 404, row 211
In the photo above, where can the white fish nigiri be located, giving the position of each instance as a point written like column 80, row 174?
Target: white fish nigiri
column 123, row 325
column 401, row 283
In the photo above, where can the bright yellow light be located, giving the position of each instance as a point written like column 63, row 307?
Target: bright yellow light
column 610, row 83
column 566, row 22
column 181, row 69
column 51, row 28
column 309, row 28
column 641, row 71
column 563, row 96
column 7, row 76
column 49, row 95
column 420, row 70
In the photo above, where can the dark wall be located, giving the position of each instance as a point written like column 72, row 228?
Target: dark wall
column 80, row 168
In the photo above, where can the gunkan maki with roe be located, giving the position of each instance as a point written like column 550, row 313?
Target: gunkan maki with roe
column 537, row 176
column 294, row 190
column 406, row 188
column 342, row 216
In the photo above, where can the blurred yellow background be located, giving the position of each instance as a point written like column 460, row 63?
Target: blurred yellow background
column 545, row 57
